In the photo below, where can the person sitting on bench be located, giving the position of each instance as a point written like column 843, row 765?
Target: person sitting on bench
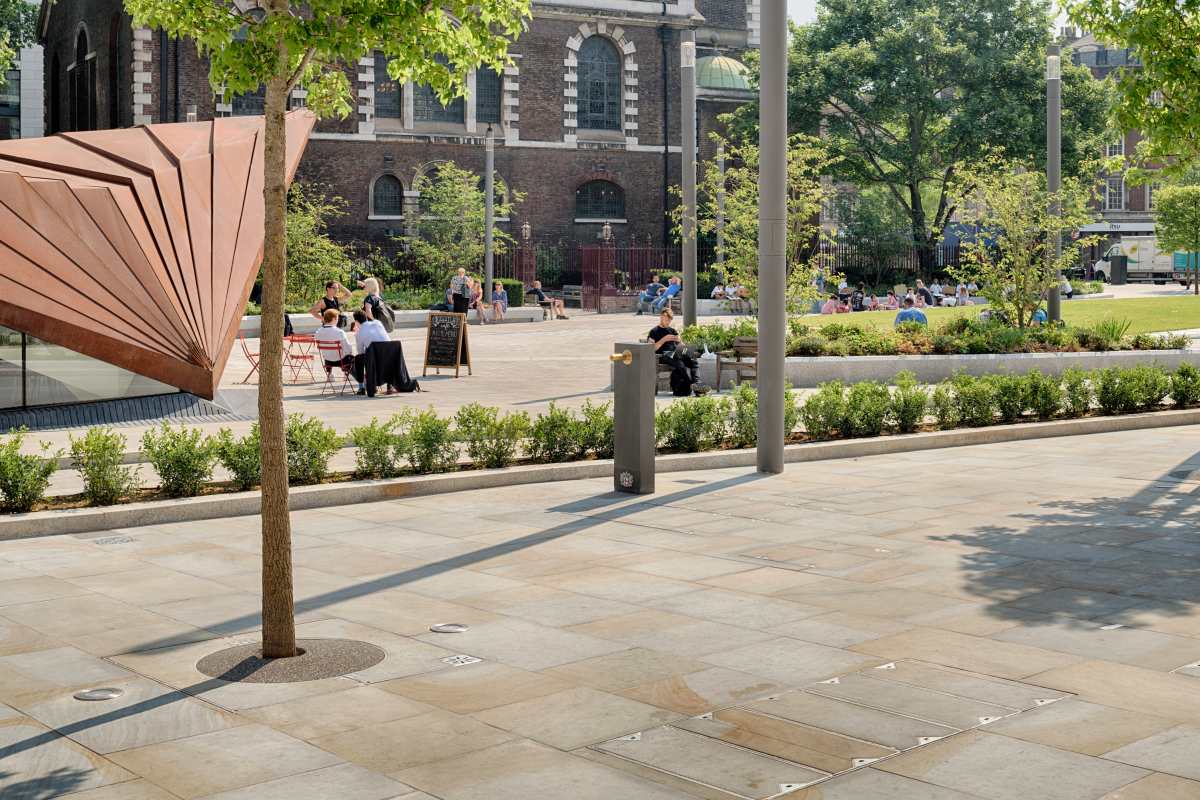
column 653, row 290
column 556, row 306
column 664, row 299
column 670, row 350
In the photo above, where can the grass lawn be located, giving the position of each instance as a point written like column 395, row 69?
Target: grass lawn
column 1146, row 314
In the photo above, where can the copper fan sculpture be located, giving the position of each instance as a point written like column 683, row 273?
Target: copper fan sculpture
column 138, row 246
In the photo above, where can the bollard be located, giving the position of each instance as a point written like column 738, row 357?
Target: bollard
column 634, row 378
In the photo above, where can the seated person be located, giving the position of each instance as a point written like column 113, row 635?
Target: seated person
column 499, row 300
column 335, row 295
column 664, row 299
column 962, row 296
column 330, row 332
column 556, row 305
column 830, row 306
column 651, row 293
column 735, row 292
column 670, row 350
column 475, row 293
column 1039, row 317
column 872, row 302
column 918, row 299
column 926, row 296
column 935, row 289
column 368, row 332
column 910, row 314
column 1065, row 288
column 858, row 298
column 718, row 292
column 892, row 303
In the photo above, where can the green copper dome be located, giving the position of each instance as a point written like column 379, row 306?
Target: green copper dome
column 721, row 72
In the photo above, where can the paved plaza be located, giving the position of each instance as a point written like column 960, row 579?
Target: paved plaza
column 1001, row 622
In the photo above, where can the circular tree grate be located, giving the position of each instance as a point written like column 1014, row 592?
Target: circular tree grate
column 318, row 658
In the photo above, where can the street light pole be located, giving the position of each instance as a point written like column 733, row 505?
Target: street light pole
column 687, row 116
column 489, row 215
column 1054, row 168
column 721, row 210
column 772, row 233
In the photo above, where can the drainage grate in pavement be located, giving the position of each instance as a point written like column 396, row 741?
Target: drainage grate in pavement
column 789, row 741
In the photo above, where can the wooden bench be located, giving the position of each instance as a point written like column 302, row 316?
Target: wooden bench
column 735, row 360
column 572, row 294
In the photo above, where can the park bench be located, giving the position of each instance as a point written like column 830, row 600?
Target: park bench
column 572, row 294
column 741, row 360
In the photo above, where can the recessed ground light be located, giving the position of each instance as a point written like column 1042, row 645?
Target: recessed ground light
column 106, row 693
column 448, row 627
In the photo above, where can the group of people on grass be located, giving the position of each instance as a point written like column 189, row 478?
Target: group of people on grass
column 846, row 300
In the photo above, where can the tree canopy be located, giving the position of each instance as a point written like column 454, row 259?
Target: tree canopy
column 18, row 20
column 1177, row 211
column 1161, row 97
column 903, row 90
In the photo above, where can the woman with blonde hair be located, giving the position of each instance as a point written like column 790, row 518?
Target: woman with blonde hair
column 373, row 302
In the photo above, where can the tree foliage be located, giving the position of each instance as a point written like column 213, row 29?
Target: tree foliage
column 449, row 231
column 18, row 21
column 1012, row 256
column 1177, row 210
column 807, row 162
column 904, row 90
column 876, row 227
column 1161, row 98
column 313, row 258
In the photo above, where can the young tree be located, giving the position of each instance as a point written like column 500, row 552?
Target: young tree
column 279, row 45
column 1012, row 255
column 18, row 19
column 903, row 90
column 449, row 231
column 313, row 259
column 1177, row 209
column 1161, row 97
column 807, row 161
column 877, row 230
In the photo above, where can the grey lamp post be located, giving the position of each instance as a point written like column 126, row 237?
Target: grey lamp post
column 772, row 233
column 489, row 214
column 1054, row 167
column 687, row 117
column 721, row 210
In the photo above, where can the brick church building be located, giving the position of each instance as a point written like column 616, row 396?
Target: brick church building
column 586, row 120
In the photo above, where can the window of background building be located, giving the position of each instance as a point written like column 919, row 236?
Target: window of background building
column 387, row 197
column 1116, row 148
column 488, row 90
column 599, row 200
column 249, row 104
column 116, row 78
column 10, row 106
column 599, row 85
column 1114, row 194
column 428, row 108
column 387, row 91
column 81, row 85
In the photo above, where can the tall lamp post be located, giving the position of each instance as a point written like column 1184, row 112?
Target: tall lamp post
column 721, row 210
column 687, row 116
column 1054, row 168
column 489, row 214
column 772, row 233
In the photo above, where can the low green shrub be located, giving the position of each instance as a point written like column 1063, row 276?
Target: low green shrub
column 1043, row 395
column 1114, row 394
column 944, row 405
column 1010, row 396
column 24, row 476
column 98, row 457
column 379, row 449
column 597, row 432
column 743, row 422
column 242, row 457
column 427, row 441
column 692, row 424
column 556, row 436
column 183, row 458
column 1149, row 385
column 809, row 345
column 824, row 411
column 1078, row 393
column 310, row 445
column 867, row 405
column 492, row 439
column 1107, row 334
column 906, row 409
column 975, row 399
column 791, row 412
column 1185, row 386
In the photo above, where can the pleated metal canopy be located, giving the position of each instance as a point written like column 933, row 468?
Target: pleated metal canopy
column 138, row 246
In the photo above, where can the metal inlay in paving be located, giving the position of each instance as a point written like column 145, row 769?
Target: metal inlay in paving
column 785, row 742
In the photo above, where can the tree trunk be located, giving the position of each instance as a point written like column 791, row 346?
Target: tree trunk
column 920, row 235
column 278, row 620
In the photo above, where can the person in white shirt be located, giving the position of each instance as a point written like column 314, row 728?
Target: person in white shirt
column 330, row 332
column 718, row 292
column 367, row 332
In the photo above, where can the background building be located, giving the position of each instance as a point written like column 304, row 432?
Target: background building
column 586, row 119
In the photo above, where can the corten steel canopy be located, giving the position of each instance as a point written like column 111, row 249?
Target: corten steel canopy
column 138, row 246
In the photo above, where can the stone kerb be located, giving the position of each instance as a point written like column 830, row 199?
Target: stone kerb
column 811, row 371
column 90, row 520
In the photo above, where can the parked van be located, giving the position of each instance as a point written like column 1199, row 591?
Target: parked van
column 1146, row 263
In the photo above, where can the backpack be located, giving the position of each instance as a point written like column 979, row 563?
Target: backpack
column 383, row 312
column 681, row 382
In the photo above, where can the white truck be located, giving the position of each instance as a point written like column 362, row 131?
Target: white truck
column 1145, row 262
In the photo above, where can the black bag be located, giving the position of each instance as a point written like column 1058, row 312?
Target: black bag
column 382, row 312
column 681, row 381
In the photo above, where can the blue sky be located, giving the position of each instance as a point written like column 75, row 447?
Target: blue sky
column 802, row 10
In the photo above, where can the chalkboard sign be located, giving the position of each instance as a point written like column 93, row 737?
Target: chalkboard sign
column 446, row 342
